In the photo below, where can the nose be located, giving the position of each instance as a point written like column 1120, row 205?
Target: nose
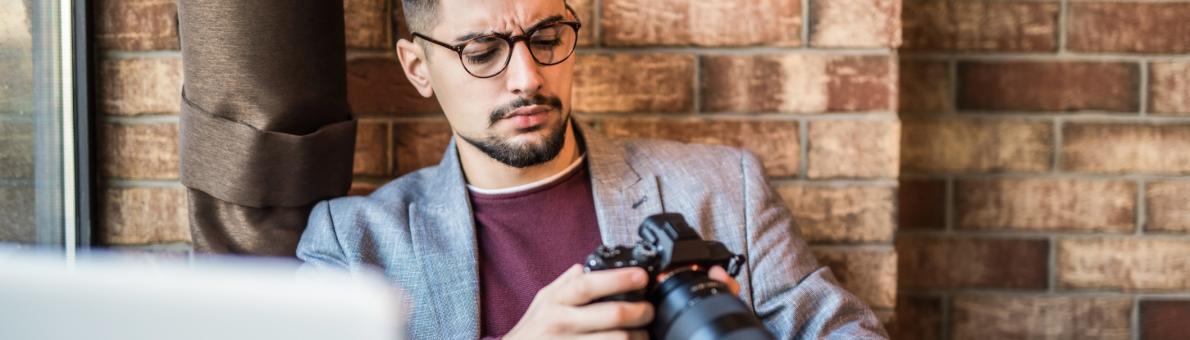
column 524, row 75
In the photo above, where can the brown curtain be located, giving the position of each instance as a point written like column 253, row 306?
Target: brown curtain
column 266, row 130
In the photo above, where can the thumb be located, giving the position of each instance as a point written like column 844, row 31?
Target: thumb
column 718, row 274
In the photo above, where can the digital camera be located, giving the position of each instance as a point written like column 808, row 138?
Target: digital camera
column 687, row 303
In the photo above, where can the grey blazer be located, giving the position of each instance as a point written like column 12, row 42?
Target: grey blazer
column 419, row 231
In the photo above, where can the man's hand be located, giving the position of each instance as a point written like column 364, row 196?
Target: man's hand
column 560, row 310
column 718, row 274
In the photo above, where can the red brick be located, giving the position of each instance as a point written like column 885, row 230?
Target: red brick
column 1129, row 27
column 366, row 24
column 975, row 145
column 705, row 23
column 1126, row 148
column 1046, row 205
column 870, row 274
column 144, row 216
column 1039, row 317
column 774, row 142
column 841, row 214
column 917, row 318
column 140, row 86
column 981, row 26
column 1169, row 88
column 136, row 25
column 1164, row 319
column 921, row 204
column 933, row 262
column 925, row 86
column 17, row 213
column 634, row 83
column 371, row 149
column 1048, row 86
column 1167, row 209
column 802, row 83
column 378, row 86
column 16, row 149
column 139, row 151
column 362, row 188
column 419, row 143
column 855, row 23
column 1127, row 264
column 854, row 149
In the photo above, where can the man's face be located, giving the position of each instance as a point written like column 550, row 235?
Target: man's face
column 519, row 116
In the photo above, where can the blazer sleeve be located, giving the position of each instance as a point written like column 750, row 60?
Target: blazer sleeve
column 795, row 297
column 320, row 246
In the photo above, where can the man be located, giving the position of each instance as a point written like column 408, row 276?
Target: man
column 485, row 243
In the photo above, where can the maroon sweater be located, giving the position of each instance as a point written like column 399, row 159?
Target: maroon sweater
column 527, row 239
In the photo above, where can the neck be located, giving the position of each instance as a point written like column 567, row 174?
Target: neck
column 482, row 171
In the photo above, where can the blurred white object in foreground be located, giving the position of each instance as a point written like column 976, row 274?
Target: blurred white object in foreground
column 110, row 297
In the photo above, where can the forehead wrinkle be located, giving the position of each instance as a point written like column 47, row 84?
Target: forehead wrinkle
column 523, row 16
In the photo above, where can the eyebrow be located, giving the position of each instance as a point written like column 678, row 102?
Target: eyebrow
column 543, row 22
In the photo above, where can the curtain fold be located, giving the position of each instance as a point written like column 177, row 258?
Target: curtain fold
column 266, row 130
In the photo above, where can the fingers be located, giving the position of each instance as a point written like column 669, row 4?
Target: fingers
column 611, row 315
column 580, row 288
column 616, row 335
column 717, row 273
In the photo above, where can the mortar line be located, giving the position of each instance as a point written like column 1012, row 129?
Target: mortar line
column 834, row 183
column 1051, row 264
column 116, row 55
column 1050, row 176
column 738, row 50
column 1033, row 293
column 597, row 17
column 1056, row 159
column 696, row 90
column 1134, row 318
column 1064, row 235
column 1141, row 207
column 141, row 183
column 146, row 119
column 1144, row 89
column 806, row 10
column 1038, row 56
column 1063, row 14
column 803, row 131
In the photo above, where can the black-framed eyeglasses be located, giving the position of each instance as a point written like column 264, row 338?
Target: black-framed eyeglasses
column 487, row 55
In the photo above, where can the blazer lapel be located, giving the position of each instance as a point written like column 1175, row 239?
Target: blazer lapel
column 623, row 197
column 443, row 232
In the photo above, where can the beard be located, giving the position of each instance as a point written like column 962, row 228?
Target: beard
column 522, row 155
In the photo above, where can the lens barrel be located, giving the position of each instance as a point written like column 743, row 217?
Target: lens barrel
column 691, row 305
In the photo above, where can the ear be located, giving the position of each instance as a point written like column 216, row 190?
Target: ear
column 414, row 63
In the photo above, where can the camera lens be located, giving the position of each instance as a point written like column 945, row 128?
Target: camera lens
column 690, row 305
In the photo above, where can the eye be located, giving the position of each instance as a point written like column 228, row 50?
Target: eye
column 482, row 49
column 480, row 57
column 546, row 42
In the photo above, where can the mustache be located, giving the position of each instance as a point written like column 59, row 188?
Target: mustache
column 520, row 102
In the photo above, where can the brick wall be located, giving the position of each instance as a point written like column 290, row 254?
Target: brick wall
column 142, row 206
column 1045, row 154
column 1041, row 151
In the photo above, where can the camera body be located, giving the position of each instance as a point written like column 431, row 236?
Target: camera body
column 688, row 304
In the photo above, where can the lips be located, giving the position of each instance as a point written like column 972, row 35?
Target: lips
column 529, row 116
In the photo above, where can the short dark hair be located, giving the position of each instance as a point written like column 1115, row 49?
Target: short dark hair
column 420, row 15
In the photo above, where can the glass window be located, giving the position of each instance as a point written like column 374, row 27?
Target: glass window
column 40, row 146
